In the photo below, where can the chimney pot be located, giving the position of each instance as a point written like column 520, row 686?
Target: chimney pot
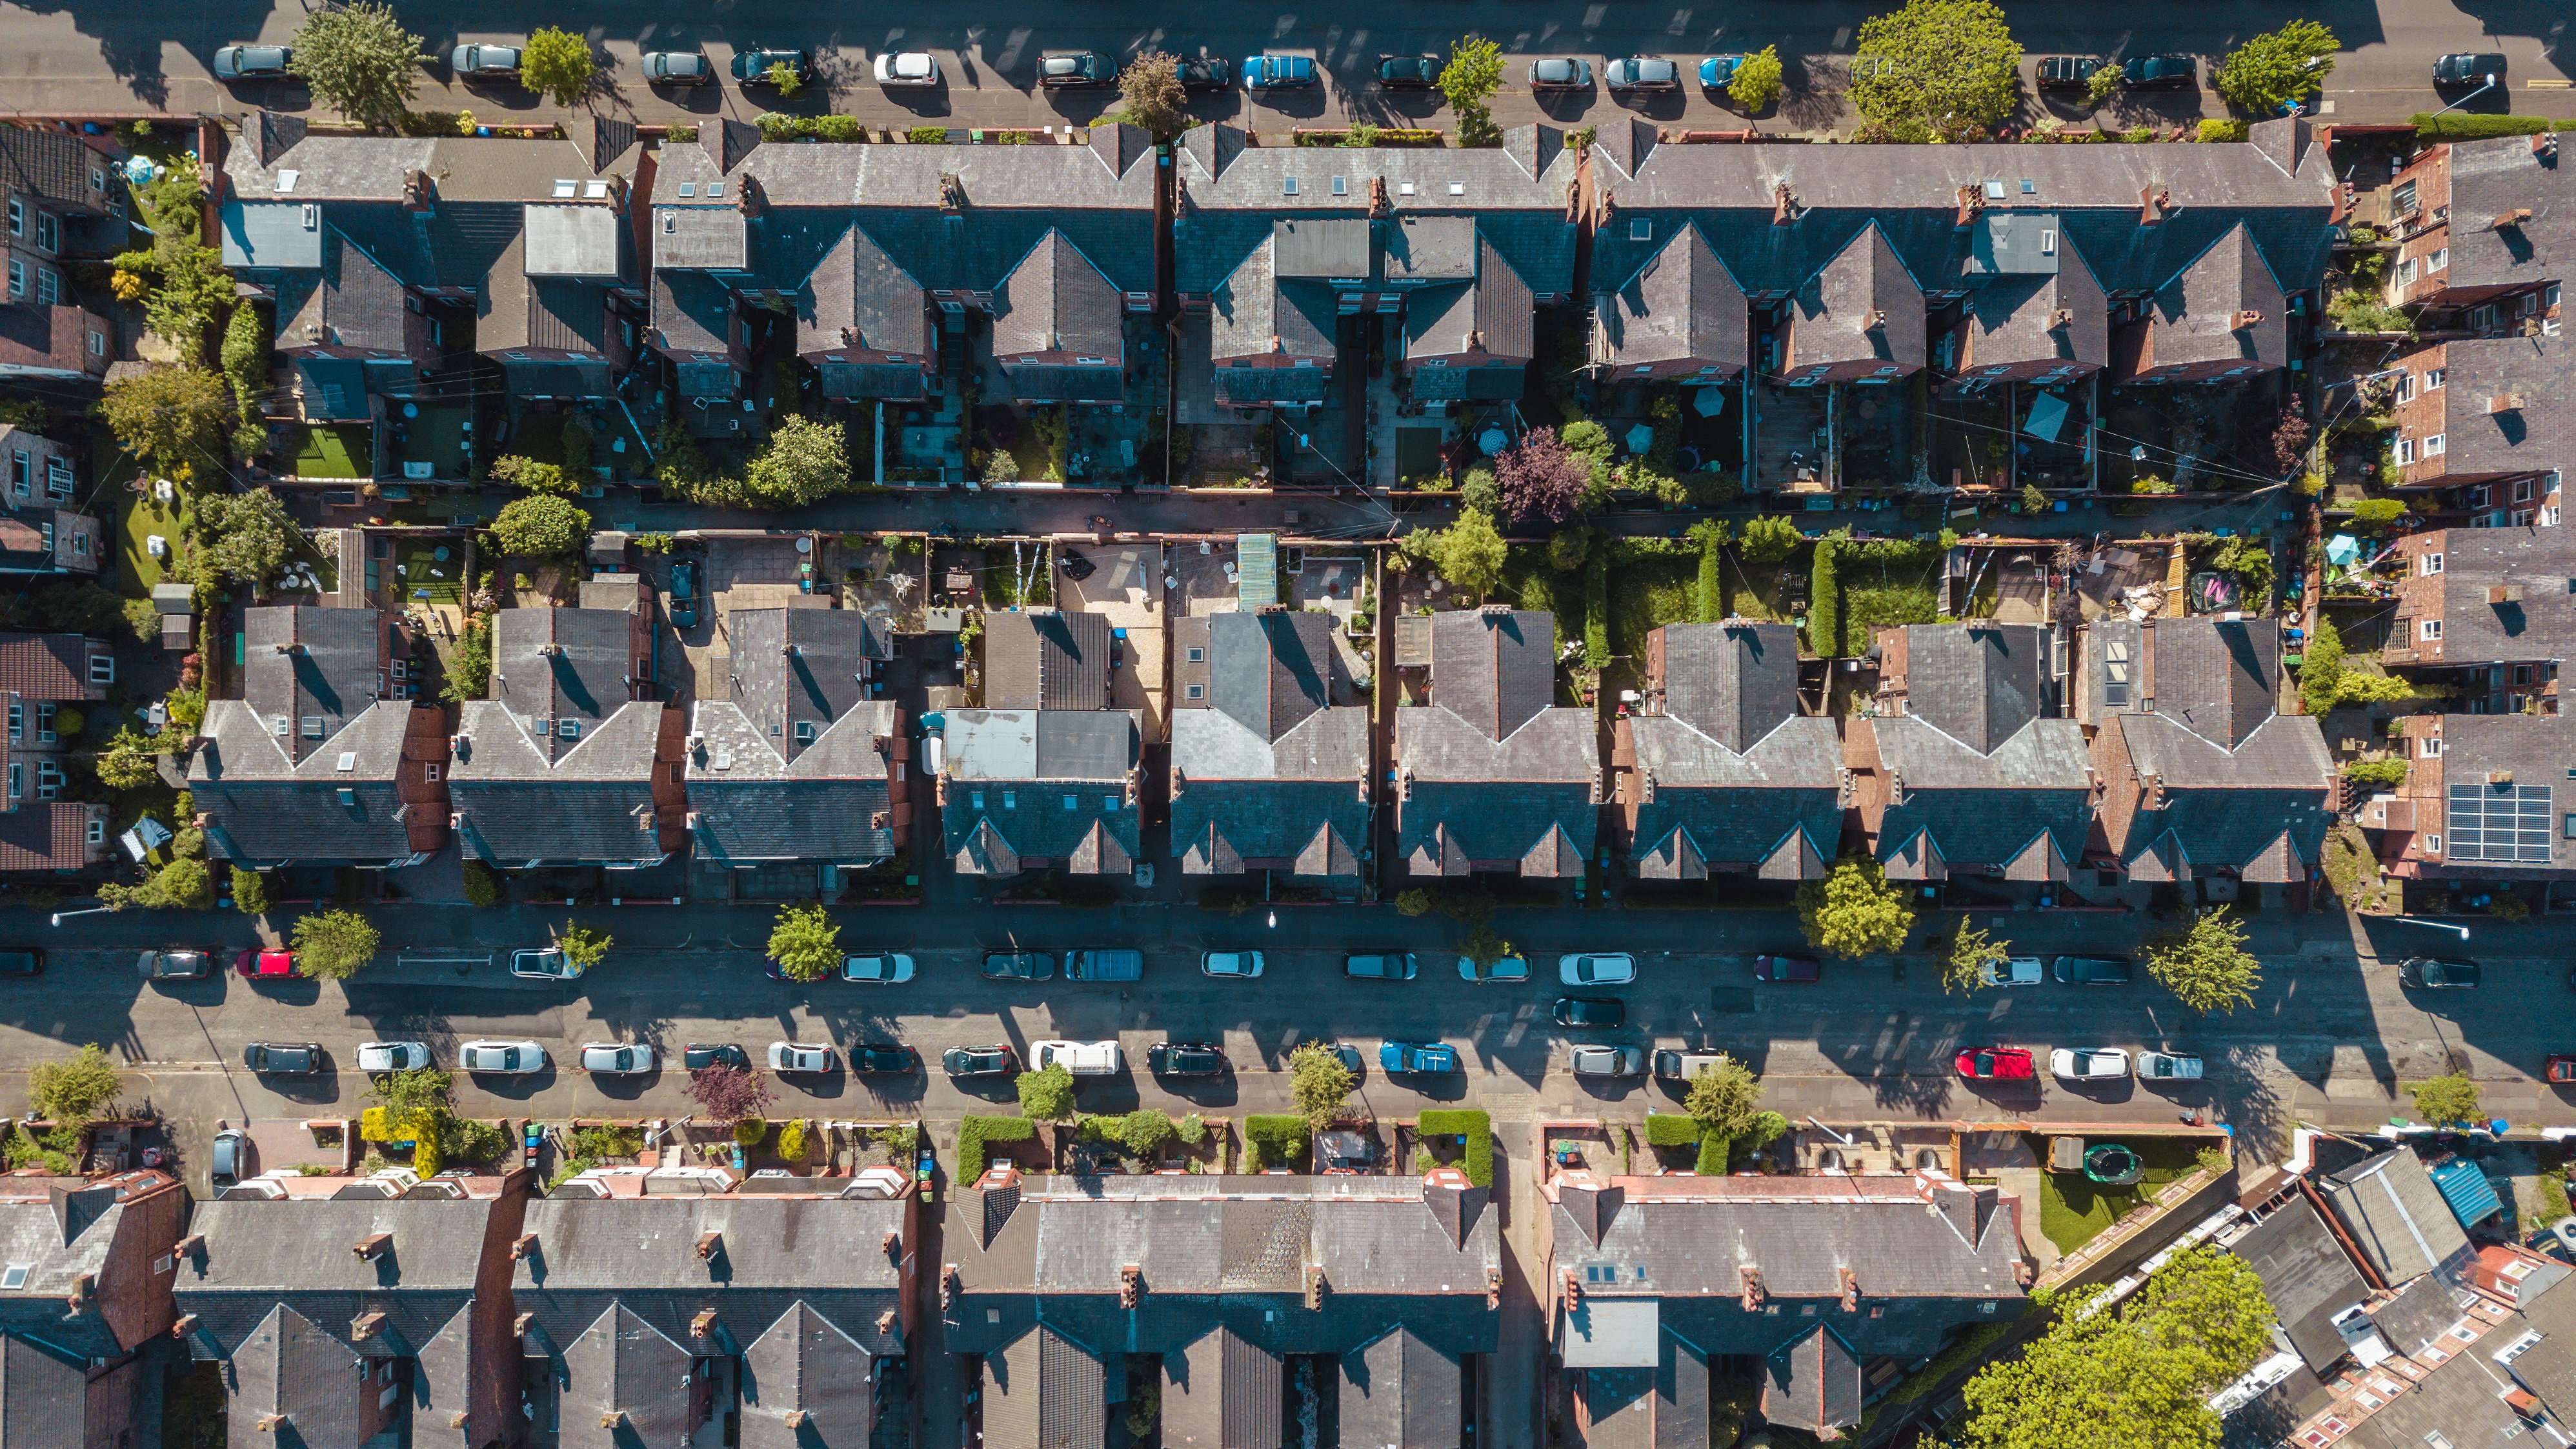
column 1753, row 1291
column 1314, row 1285
column 268, row 1422
column 189, row 1246
column 704, row 1324
column 456, row 1420
column 372, row 1246
column 523, row 1247
column 885, row 1321
column 710, row 1244
column 2247, row 318
column 186, row 1325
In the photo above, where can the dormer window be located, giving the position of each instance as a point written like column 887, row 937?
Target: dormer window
column 804, row 732
column 568, row 729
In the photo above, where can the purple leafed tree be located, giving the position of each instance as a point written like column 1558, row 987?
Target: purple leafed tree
column 730, row 1094
column 1542, row 478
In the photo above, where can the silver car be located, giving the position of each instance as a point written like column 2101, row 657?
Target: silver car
column 888, row 969
column 2089, row 1064
column 1642, row 73
column 225, row 1163
column 2168, row 1067
column 677, row 68
column 485, row 60
column 1241, row 964
column 616, row 1059
column 501, row 1058
column 1609, row 1061
column 547, row 964
column 392, row 1056
column 252, row 62
column 789, row 1056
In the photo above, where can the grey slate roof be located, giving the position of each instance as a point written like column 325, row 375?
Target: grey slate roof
column 261, row 1254
column 1046, row 659
column 2540, row 626
column 1984, row 774
column 1732, row 764
column 2390, row 1207
column 1044, row 1391
column 2194, row 316
column 1011, row 774
column 1832, row 311
column 293, row 1368
column 1400, row 1391
column 1222, row 1392
column 2481, row 434
column 262, row 810
column 2306, row 1275
column 303, row 663
column 44, row 1394
column 2493, row 178
column 2535, row 751
column 1057, row 301
column 758, row 789
column 807, row 1365
column 2011, row 318
column 1264, row 768
column 525, row 789
column 1681, row 303
column 1812, row 1382
column 1491, row 769
column 69, row 1233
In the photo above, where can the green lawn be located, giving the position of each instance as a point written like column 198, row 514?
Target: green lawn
column 138, row 516
column 1646, row 593
column 333, row 452
column 1754, row 590
column 421, row 569
column 2074, row 1209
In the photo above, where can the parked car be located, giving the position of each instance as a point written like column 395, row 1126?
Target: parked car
column 2018, row 971
column 1787, row 968
column 1641, row 73
column 1082, row 1058
column 1508, row 968
column 262, row 962
column 2159, row 72
column 1206, row 73
column 699, row 1054
column 1067, row 69
column 472, row 60
column 1560, row 73
column 547, row 964
column 882, row 1059
column 1609, row 970
column 1381, row 966
column 2168, row 1067
column 793, row 1056
column 2067, row 72
column 2089, row 1064
column 1185, row 1059
column 1996, row 1064
column 896, row 69
column 1019, row 966
column 24, row 962
column 677, row 68
column 684, row 593
column 1590, row 1011
column 754, row 66
column 1409, row 72
column 231, row 1154
column 979, row 1061
column 1119, row 965
column 888, row 969
column 2466, row 69
column 179, row 965
column 252, row 62
column 2440, row 972
column 1348, row 1056
column 392, row 1056
column 616, row 1059
column 283, row 1058
column 1242, row 965
column 501, row 1058
column 1278, row 72
column 1718, row 71
column 1672, row 1066
column 2095, row 970
column 1417, row 1056
column 1607, row 1061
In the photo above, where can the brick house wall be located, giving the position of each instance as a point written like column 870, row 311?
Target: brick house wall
column 2422, row 413
column 2419, row 598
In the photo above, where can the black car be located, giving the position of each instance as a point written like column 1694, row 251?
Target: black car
column 699, row 1054
column 1019, row 966
column 1071, row 69
column 2067, row 72
column 1409, row 72
column 1590, row 1011
column 981, row 1061
column 178, row 965
column 284, row 1058
column 1184, row 1059
column 2440, row 972
column 1076, row 567
column 1206, row 73
column 27, row 962
column 873, row 1059
column 2468, row 70
column 2159, row 72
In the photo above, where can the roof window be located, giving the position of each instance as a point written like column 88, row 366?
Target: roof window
column 567, row 187
column 688, row 188
column 1994, row 191
column 1287, row 185
column 1341, row 186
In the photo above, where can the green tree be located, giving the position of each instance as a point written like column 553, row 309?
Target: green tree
column 1937, row 70
column 2135, row 1376
column 1047, row 1093
column 469, row 671
column 806, row 943
column 82, row 1087
column 247, row 536
column 359, row 61
column 531, row 475
column 250, row 892
column 804, row 462
column 1474, row 72
column 2207, row 968
column 2444, row 1101
column 1770, row 539
column 1853, row 911
column 1756, row 82
column 558, row 65
column 173, row 419
column 540, row 526
column 1318, row 1083
column 1724, row 1098
column 2103, row 83
column 420, row 1090
column 182, row 885
column 584, row 947
column 1971, row 952
column 332, row 945
column 1151, row 87
column 245, row 358
column 128, row 762
column 2268, row 73
column 784, row 80
column 1143, row 1131
column 1468, row 553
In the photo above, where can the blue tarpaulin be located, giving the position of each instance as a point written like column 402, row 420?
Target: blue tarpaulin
column 2465, row 1187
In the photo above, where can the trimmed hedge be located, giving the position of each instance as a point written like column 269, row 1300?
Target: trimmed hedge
column 1477, row 1127
column 1274, row 1140
column 1596, row 610
column 2462, row 126
column 1709, row 602
column 1669, row 1129
column 1713, row 1151
column 1825, row 603
column 974, row 1132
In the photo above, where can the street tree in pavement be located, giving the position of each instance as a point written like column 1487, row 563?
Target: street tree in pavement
column 1318, row 1083
column 582, row 946
column 2270, row 72
column 2445, row 1100
column 806, row 943
column 1937, row 70
column 1971, row 952
column 359, row 61
column 1756, row 82
column 1151, row 87
column 2207, row 968
column 558, row 65
column 2137, row 1376
column 332, row 945
column 1046, row 1094
column 1724, row 1098
column 730, row 1094
column 74, row 1089
column 1853, row 911
column 1473, row 74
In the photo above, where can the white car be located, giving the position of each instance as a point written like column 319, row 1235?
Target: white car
column 788, row 1056
column 909, row 68
column 2017, row 971
column 547, row 964
column 2168, row 1067
column 1082, row 1058
column 1244, row 964
column 508, row 1058
column 2089, row 1064
column 615, row 1059
column 1595, row 970
column 392, row 1056
column 890, row 969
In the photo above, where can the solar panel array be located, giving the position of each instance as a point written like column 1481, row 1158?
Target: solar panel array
column 2500, row 823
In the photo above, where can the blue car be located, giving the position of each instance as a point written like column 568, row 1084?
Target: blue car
column 1718, row 71
column 1399, row 1056
column 1277, row 72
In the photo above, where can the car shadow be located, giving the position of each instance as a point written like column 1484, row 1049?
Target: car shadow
column 1609, row 1089
column 313, row 1090
column 625, row 1086
column 1666, row 106
column 824, row 1086
column 512, row 1086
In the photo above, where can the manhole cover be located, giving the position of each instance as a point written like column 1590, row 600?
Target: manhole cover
column 1731, row 1001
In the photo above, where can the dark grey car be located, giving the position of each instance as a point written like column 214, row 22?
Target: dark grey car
column 283, row 1058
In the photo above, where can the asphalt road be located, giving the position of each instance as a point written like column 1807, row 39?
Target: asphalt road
column 101, row 56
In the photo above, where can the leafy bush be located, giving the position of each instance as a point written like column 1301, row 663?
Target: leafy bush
column 1756, row 82
column 75, row 1089
column 250, row 892
column 1477, row 1127
column 2465, row 126
column 1667, row 1129
column 974, row 1132
column 1142, row 1131
column 540, row 526
column 1272, row 1140
column 927, row 135
column 1046, row 1094
column 1713, row 1152
column 1191, row 1130
column 332, row 945
column 792, row 1145
column 750, row 1132
column 2217, row 130
column 467, row 1140
column 2376, row 515
column 1708, row 600
column 1770, row 539
column 482, row 887
column 2376, row 774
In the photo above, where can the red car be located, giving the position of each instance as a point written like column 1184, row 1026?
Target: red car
column 1997, row 1064
column 265, row 962
column 2559, row 1070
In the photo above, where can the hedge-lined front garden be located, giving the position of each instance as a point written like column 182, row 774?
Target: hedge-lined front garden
column 1273, row 1140
column 974, row 1132
column 1477, row 1161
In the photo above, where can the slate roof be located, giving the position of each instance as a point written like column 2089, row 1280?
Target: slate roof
column 2307, row 1276
column 1682, row 302
column 1265, row 768
column 760, row 790
column 293, row 1369
column 859, row 296
column 1492, row 769
column 302, row 663
column 69, row 1231
column 1401, row 1390
column 1663, row 1407
column 44, row 835
column 55, row 165
column 1009, row 774
column 1832, row 311
column 526, row 789
column 2541, row 626
column 1057, row 301
column 2390, row 1207
column 1046, row 659
column 2535, row 751
column 2011, row 317
column 263, row 809
column 1724, row 758
column 44, row 1393
column 2496, row 177
column 2537, row 432
column 2194, row 317
column 262, row 1253
column 807, row 1365
column 1223, row 1391
column 1984, row 773
column 1044, row 1390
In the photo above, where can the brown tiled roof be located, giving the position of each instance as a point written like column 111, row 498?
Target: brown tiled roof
column 51, row 835
column 43, row 666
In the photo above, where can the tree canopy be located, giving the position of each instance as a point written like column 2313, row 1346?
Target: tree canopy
column 558, row 65
column 1155, row 102
column 1853, row 911
column 359, row 61
column 2207, row 968
column 1770, row 539
column 804, row 462
column 332, row 945
column 582, row 946
column 1756, row 82
column 1545, row 477
column 1469, row 79
column 1725, row 1098
column 78, row 1088
column 1971, row 952
column 540, row 526
column 1468, row 553
column 2271, row 71
column 1937, row 70
column 806, row 943
column 2446, row 1100
column 247, row 536
column 181, row 885
column 174, row 420
column 1047, row 1093
column 730, row 1093
column 1318, row 1083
